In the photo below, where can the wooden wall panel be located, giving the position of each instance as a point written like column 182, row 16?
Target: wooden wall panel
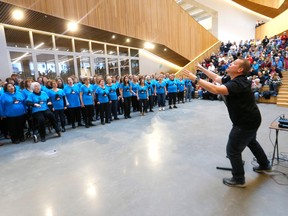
column 274, row 27
column 274, row 4
column 159, row 21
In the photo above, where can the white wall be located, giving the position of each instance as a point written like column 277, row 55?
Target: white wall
column 152, row 64
column 5, row 67
column 234, row 23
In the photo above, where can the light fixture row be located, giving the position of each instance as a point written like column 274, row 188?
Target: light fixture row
column 72, row 26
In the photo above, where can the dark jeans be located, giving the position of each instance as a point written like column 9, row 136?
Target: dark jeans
column 104, row 112
column 135, row 103
column 180, row 96
column 172, row 98
column 40, row 118
column 87, row 114
column 113, row 109
column 74, row 115
column 161, row 100
column 60, row 114
column 16, row 127
column 127, row 106
column 150, row 103
column 238, row 140
column 143, row 105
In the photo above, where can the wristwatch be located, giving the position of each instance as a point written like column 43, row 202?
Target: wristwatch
column 196, row 80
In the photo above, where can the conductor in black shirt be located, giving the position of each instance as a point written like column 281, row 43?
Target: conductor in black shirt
column 244, row 114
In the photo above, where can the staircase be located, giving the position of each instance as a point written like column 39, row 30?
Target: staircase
column 282, row 97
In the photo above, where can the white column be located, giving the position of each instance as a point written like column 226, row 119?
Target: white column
column 5, row 63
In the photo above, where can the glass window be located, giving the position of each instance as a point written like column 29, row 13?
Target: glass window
column 22, row 64
column 123, row 51
column 98, row 48
column 84, row 67
column 134, row 53
column 135, row 66
column 46, row 65
column 113, row 66
column 124, row 66
column 63, row 44
column 17, row 38
column 42, row 41
column 100, row 66
column 111, row 50
column 82, row 46
column 66, row 66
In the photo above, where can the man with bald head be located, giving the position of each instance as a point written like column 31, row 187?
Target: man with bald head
column 244, row 114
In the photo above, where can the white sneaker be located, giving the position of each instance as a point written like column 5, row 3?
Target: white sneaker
column 163, row 108
column 160, row 109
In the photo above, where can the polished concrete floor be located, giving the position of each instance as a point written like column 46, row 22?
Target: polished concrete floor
column 158, row 165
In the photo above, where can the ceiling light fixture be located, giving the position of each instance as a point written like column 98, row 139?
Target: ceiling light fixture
column 72, row 26
column 165, row 49
column 18, row 14
column 148, row 45
column 113, row 36
column 128, row 40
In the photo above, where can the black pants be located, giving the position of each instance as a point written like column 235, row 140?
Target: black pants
column 143, row 105
column 60, row 114
column 87, row 114
column 104, row 112
column 238, row 140
column 113, row 109
column 16, row 127
column 135, row 103
column 74, row 115
column 150, row 102
column 120, row 107
column 180, row 97
column 172, row 98
column 40, row 118
column 127, row 106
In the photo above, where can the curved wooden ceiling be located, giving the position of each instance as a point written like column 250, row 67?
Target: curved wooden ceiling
column 260, row 7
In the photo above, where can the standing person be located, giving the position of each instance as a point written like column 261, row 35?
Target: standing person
column 150, row 102
column 134, row 86
column 160, row 89
column 58, row 100
column 13, row 108
column 112, row 88
column 87, row 101
column 171, row 86
column 103, row 101
column 72, row 92
column 39, row 101
column 189, row 89
column 181, row 89
column 125, row 94
column 142, row 96
column 244, row 114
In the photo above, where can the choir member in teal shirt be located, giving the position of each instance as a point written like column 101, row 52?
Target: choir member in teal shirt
column 87, row 101
column 13, row 108
column 39, row 101
column 113, row 107
column 103, row 100
column 125, row 94
column 72, row 92
column 59, row 103
column 134, row 86
column 142, row 96
column 171, row 86
column 181, row 89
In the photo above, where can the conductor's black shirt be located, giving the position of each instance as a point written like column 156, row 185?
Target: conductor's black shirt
column 241, row 104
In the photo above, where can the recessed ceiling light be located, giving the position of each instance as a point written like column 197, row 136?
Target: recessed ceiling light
column 128, row 40
column 18, row 14
column 148, row 45
column 165, row 49
column 72, row 26
column 113, row 36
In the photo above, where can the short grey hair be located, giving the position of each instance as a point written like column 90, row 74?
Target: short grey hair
column 33, row 84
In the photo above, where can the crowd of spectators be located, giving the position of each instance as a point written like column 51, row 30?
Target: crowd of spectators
column 268, row 59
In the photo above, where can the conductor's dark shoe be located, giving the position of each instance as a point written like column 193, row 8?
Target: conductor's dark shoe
column 170, row 107
column 175, row 106
column 261, row 169
column 16, row 141
column 103, row 123
column 234, row 183
column 43, row 139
